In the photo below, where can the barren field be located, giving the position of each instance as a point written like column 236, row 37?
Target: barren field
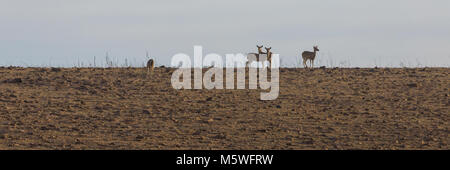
column 123, row 108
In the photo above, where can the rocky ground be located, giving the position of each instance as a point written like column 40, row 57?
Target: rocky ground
column 123, row 108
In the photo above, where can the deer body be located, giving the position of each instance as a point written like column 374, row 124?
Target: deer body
column 308, row 55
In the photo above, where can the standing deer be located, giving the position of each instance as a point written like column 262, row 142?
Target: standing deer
column 308, row 55
column 150, row 65
column 250, row 60
column 269, row 56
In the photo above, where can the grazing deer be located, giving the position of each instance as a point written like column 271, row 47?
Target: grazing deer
column 150, row 65
column 308, row 55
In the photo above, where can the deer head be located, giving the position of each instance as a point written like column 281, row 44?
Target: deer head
column 316, row 48
column 259, row 49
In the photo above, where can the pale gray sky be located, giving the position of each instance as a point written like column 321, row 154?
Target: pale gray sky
column 348, row 32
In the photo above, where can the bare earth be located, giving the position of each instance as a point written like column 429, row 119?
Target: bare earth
column 123, row 108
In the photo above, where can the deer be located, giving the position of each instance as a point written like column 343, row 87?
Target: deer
column 269, row 55
column 260, row 49
column 308, row 55
column 260, row 52
column 150, row 65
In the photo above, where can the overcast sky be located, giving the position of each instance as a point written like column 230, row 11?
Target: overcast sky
column 357, row 33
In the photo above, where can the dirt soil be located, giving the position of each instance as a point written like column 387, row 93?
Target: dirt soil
column 123, row 108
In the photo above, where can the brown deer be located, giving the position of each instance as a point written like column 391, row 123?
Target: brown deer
column 150, row 65
column 260, row 49
column 269, row 55
column 308, row 55
column 249, row 60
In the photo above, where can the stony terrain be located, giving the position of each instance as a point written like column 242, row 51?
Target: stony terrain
column 123, row 108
